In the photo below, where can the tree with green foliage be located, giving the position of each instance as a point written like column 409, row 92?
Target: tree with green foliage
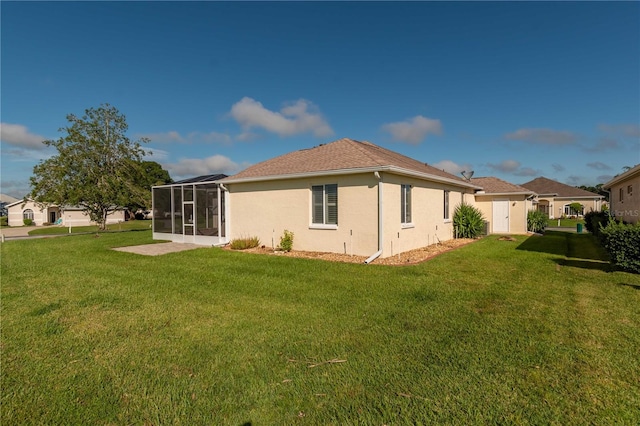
column 149, row 173
column 576, row 208
column 96, row 166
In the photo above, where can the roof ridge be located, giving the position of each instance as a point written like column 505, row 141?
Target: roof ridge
column 363, row 147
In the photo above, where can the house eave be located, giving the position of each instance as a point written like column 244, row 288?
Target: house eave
column 351, row 171
column 623, row 177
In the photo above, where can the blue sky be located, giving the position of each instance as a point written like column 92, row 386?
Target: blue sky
column 513, row 90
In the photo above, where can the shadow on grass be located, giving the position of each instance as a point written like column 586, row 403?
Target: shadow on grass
column 575, row 250
column 552, row 242
column 633, row 286
column 585, row 264
column 579, row 246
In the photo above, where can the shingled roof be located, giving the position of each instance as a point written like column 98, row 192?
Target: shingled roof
column 341, row 156
column 494, row 185
column 543, row 186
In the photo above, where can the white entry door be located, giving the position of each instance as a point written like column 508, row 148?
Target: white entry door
column 500, row 216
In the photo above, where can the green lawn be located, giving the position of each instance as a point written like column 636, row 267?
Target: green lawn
column 497, row 332
column 564, row 223
column 114, row 227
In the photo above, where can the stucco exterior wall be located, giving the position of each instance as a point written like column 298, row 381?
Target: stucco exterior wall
column 589, row 204
column 519, row 206
column 266, row 209
column 428, row 224
column 627, row 209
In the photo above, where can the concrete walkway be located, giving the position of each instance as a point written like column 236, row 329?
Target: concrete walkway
column 158, row 249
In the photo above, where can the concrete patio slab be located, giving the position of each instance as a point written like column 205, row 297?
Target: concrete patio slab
column 158, row 249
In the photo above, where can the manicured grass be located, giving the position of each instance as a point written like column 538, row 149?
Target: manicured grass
column 497, row 332
column 564, row 223
column 124, row 226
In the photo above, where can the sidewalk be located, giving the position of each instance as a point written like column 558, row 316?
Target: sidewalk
column 16, row 231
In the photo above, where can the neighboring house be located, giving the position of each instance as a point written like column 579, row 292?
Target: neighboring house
column 51, row 214
column 345, row 197
column 504, row 205
column 554, row 198
column 625, row 195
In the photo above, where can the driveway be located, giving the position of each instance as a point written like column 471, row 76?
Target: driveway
column 17, row 231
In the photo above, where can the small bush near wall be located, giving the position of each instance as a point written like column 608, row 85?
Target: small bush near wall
column 286, row 241
column 27, row 222
column 468, row 221
column 4, row 221
column 622, row 241
column 245, row 243
column 536, row 221
column 593, row 220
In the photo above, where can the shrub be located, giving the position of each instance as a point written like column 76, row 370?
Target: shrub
column 536, row 221
column 592, row 221
column 4, row 221
column 245, row 243
column 27, row 222
column 468, row 221
column 286, row 241
column 622, row 242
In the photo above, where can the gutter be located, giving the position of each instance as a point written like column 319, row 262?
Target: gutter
column 377, row 254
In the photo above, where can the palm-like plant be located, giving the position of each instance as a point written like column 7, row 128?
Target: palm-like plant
column 468, row 221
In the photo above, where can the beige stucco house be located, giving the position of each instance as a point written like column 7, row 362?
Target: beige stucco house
column 625, row 195
column 52, row 214
column 554, row 198
column 503, row 204
column 345, row 197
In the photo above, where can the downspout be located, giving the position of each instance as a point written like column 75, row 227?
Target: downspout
column 377, row 254
column 227, row 216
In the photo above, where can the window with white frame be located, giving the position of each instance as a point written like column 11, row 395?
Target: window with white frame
column 446, row 205
column 324, row 209
column 405, row 204
column 27, row 214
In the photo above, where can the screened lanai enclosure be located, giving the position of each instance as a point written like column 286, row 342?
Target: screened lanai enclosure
column 190, row 211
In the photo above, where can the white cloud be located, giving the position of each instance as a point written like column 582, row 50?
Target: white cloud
column 193, row 137
column 299, row 117
column 543, row 136
column 604, row 144
column 413, row 130
column 19, row 135
column 630, row 130
column 166, row 137
column 598, row 165
column 190, row 167
column 513, row 167
column 157, row 155
column 453, row 168
column 506, row 166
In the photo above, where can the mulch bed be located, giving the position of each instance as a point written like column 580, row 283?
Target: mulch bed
column 407, row 258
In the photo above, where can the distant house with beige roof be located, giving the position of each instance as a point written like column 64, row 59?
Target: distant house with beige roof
column 40, row 214
column 554, row 198
column 504, row 205
column 625, row 195
column 346, row 197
